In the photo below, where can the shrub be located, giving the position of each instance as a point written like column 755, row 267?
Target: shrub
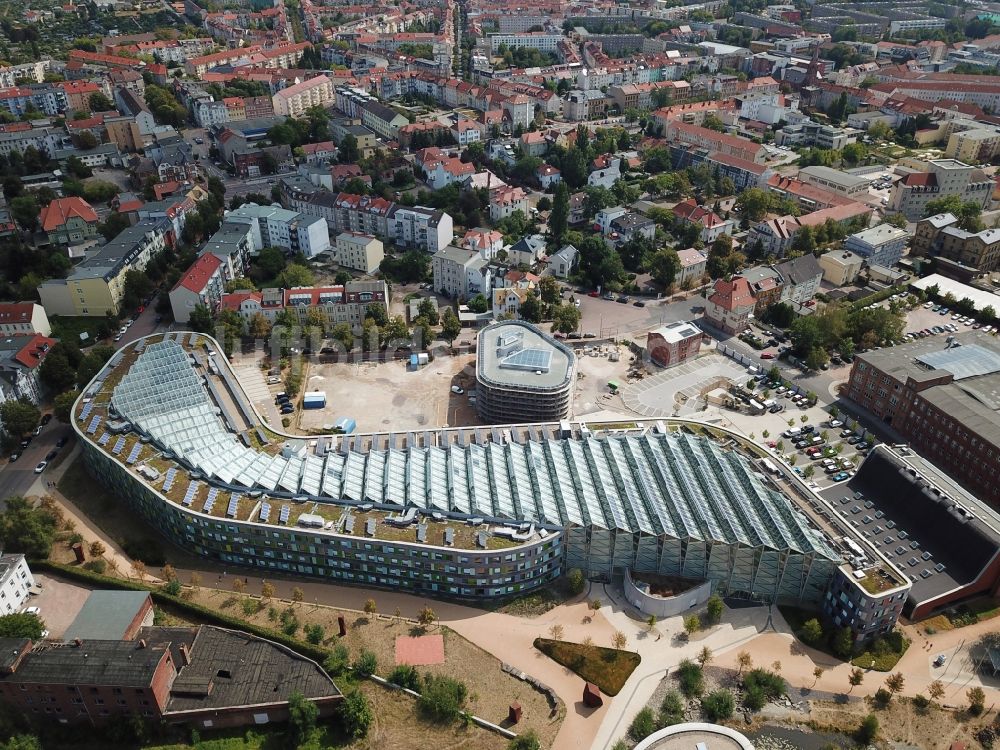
column 355, row 714
column 772, row 685
column 98, row 566
column 525, row 741
column 882, row 697
column 336, row 663
column 642, row 725
column 754, row 698
column 576, row 581
column 714, row 608
column 249, row 606
column 718, row 705
column 442, row 698
column 868, row 730
column 692, row 681
column 671, row 709
column 314, row 634
column 366, row 664
column 405, row 675
column 843, row 642
column 922, row 702
column 811, row 632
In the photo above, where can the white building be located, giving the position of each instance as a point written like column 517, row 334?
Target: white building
column 460, row 273
column 15, row 581
column 23, row 318
column 359, row 251
column 428, row 229
column 562, row 263
column 273, row 226
column 882, row 245
column 506, row 201
column 202, row 284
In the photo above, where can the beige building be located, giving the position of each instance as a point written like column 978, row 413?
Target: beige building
column 973, row 146
column 96, row 286
column 836, row 181
column 943, row 178
column 840, row 267
column 295, row 100
column 359, row 251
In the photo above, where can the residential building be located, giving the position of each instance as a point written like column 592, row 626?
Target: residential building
column 423, row 228
column 23, row 319
column 548, row 176
column 840, row 267
column 816, row 135
column 204, row 677
column 527, row 251
column 382, row 119
column 765, row 285
column 693, row 264
column 202, row 284
column 362, row 252
column 466, row 132
column 95, row 287
column 233, row 245
column 522, row 375
column 460, row 273
column 486, row 242
column 881, row 245
column 673, row 344
column 678, row 131
column 68, row 221
column 836, row 181
column 20, row 357
column 730, row 305
column 943, row 178
column 711, row 225
column 563, row 261
column 974, row 146
column 800, row 278
column 338, row 304
column 960, row 254
column 294, row 100
column 274, row 226
column 15, row 583
column 506, row 201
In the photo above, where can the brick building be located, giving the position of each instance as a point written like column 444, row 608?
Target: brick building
column 673, row 344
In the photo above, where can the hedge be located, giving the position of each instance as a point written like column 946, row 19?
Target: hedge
column 197, row 611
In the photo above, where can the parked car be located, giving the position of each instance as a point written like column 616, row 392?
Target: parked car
column 41, row 467
column 776, row 408
column 61, row 442
column 840, row 477
column 835, row 423
column 623, row 299
column 457, row 389
column 32, row 611
column 46, row 418
column 767, row 355
column 639, row 303
column 50, row 455
column 14, row 457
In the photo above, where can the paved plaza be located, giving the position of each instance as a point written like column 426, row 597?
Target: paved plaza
column 675, row 392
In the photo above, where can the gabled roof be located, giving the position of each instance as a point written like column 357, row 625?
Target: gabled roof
column 732, row 293
column 197, row 276
column 61, row 210
column 34, row 351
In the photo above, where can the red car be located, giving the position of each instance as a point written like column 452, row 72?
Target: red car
column 594, row 294
column 767, row 355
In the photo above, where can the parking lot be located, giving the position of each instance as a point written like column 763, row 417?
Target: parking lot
column 675, row 392
column 60, row 602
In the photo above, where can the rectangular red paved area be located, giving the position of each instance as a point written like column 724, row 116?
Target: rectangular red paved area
column 420, row 651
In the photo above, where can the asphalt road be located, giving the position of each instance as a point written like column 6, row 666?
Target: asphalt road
column 17, row 477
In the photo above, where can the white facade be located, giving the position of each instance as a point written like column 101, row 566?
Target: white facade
column 460, row 273
column 15, row 581
column 23, row 318
column 426, row 228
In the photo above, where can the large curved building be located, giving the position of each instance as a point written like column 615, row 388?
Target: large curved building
column 471, row 513
column 522, row 375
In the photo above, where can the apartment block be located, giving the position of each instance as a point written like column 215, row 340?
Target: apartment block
column 295, row 100
column 202, row 284
column 943, row 178
column 882, row 245
column 362, row 252
column 23, row 319
column 460, row 273
column 278, row 227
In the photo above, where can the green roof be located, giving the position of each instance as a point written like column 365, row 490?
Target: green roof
column 106, row 615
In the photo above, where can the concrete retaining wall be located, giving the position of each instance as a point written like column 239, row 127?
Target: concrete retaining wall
column 661, row 606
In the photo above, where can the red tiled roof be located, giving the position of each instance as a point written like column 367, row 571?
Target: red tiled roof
column 234, row 300
column 196, row 277
column 732, row 293
column 61, row 210
column 16, row 312
column 34, row 351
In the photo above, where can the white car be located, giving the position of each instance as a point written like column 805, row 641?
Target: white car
column 32, row 611
column 41, row 467
column 457, row 389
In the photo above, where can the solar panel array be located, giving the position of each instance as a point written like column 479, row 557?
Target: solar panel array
column 168, row 480
column 92, row 427
column 210, row 502
column 283, row 514
column 234, row 506
column 85, row 411
column 134, row 453
column 265, row 512
column 119, row 444
column 104, row 438
column 192, row 490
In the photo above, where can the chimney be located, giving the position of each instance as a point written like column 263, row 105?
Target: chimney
column 185, row 654
column 141, row 643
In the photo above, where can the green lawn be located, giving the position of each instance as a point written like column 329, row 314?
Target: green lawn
column 69, row 328
column 608, row 668
column 883, row 653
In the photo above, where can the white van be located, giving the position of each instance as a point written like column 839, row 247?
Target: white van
column 792, row 432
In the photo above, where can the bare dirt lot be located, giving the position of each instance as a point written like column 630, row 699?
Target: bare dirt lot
column 388, row 396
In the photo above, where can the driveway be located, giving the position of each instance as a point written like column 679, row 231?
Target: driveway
column 658, row 396
column 251, row 378
column 60, row 602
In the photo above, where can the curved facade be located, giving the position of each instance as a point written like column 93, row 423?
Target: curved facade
column 463, row 513
column 522, row 375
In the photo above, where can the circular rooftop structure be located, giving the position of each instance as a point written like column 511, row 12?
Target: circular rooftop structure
column 522, row 374
column 696, row 735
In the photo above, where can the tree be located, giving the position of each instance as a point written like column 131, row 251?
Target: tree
column 266, row 590
column 977, row 700
column 302, row 716
column 619, row 640
column 98, row 102
column 356, row 715
column 58, row 369
column 714, row 608
column 651, row 623
column 559, row 217
column 811, row 632
column 442, row 698
column 478, row 304
column 576, row 581
column 21, row 625
column 894, row 683
column 704, row 657
column 24, row 209
column 19, row 417
column 297, row 594
column 855, row 678
column 366, row 663
column 936, row 690
column 566, row 318
column 139, row 568
column 451, row 326
column 200, row 319
column 370, row 607
column 295, row 275
column 744, row 660
column 664, row 265
column 548, row 289
column 868, row 730
column 643, row 725
column 531, row 308
column 63, row 405
column 27, row 530
column 556, row 632
column 753, row 203
column 239, row 585
column 692, row 624
column 817, row 673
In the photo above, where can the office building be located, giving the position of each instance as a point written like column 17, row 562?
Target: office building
column 943, row 178
column 882, row 245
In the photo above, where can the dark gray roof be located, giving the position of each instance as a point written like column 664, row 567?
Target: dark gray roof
column 106, row 614
column 229, row 668
column 799, row 270
column 104, row 662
